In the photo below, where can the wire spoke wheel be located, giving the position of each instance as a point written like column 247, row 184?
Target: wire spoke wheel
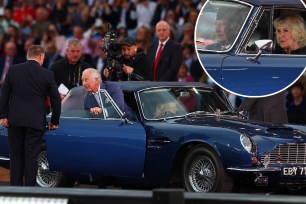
column 45, row 177
column 202, row 174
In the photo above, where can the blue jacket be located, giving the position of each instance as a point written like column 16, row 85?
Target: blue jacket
column 116, row 93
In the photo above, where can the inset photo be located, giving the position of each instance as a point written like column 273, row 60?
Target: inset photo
column 252, row 48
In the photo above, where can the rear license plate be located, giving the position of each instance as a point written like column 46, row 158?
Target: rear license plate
column 294, row 171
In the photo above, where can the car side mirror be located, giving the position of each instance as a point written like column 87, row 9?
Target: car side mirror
column 263, row 46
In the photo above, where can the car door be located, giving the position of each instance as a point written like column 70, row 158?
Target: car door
column 269, row 74
column 103, row 144
column 4, row 151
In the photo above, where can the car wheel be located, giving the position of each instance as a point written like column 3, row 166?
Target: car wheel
column 204, row 172
column 47, row 178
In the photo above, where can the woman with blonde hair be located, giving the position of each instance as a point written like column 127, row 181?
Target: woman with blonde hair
column 291, row 34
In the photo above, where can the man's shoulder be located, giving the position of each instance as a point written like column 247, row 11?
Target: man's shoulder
column 174, row 43
column 85, row 65
column 58, row 64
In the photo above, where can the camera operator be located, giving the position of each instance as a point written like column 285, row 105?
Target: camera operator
column 134, row 65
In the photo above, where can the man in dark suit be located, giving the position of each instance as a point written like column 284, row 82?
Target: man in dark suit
column 165, row 56
column 92, row 82
column 22, row 111
column 267, row 109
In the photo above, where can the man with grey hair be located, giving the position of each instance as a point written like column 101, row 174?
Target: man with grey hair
column 92, row 83
column 68, row 71
column 22, row 111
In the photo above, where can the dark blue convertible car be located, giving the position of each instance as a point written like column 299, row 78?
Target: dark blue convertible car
column 248, row 64
column 185, row 136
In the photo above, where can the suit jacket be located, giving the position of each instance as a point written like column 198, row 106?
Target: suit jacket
column 169, row 62
column 116, row 93
column 267, row 109
column 23, row 96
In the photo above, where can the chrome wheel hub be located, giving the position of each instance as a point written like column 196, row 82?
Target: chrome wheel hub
column 202, row 174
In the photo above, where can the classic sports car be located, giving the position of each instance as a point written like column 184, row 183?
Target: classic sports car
column 186, row 135
column 247, row 64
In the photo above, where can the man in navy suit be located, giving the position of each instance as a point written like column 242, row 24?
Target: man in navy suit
column 22, row 111
column 92, row 83
column 165, row 56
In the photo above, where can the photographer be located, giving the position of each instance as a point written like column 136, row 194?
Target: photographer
column 134, row 65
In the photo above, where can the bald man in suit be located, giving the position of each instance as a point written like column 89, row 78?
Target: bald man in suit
column 165, row 56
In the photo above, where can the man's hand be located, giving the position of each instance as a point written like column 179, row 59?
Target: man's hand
column 127, row 69
column 4, row 122
column 52, row 126
column 63, row 96
column 96, row 110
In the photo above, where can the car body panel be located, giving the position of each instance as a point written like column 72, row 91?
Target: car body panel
column 91, row 141
column 233, row 69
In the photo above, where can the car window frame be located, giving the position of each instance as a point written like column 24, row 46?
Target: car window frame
column 91, row 116
column 248, row 34
column 241, row 31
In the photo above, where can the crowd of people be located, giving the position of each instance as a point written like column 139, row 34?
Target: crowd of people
column 52, row 23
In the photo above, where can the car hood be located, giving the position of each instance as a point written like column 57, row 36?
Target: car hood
column 258, row 131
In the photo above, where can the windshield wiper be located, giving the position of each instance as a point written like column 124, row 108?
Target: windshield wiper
column 195, row 113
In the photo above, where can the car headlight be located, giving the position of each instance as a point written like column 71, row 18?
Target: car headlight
column 247, row 143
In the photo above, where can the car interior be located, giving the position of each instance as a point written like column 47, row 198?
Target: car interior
column 263, row 30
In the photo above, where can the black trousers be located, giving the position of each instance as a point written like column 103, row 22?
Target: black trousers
column 24, row 145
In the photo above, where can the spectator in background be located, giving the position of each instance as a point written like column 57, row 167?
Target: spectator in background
column 143, row 38
column 41, row 23
column 59, row 16
column 68, row 71
column 9, row 58
column 266, row 109
column 165, row 56
column 171, row 19
column 188, row 54
column 145, row 11
column 182, row 11
column 187, row 35
column 8, row 19
column 52, row 35
column 296, row 104
column 128, row 16
column 79, row 15
column 87, row 44
column 183, row 75
column 23, row 12
column 51, row 55
column 160, row 11
column 100, row 61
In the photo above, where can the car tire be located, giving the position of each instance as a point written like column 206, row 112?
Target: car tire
column 47, row 178
column 203, row 171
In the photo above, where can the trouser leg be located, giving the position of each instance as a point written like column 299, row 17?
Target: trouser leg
column 33, row 144
column 16, row 142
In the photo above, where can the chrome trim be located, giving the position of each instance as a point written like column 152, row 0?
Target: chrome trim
column 291, row 153
column 259, row 169
column 5, row 158
column 242, row 27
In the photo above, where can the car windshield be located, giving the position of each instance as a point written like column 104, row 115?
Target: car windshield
column 219, row 24
column 178, row 101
